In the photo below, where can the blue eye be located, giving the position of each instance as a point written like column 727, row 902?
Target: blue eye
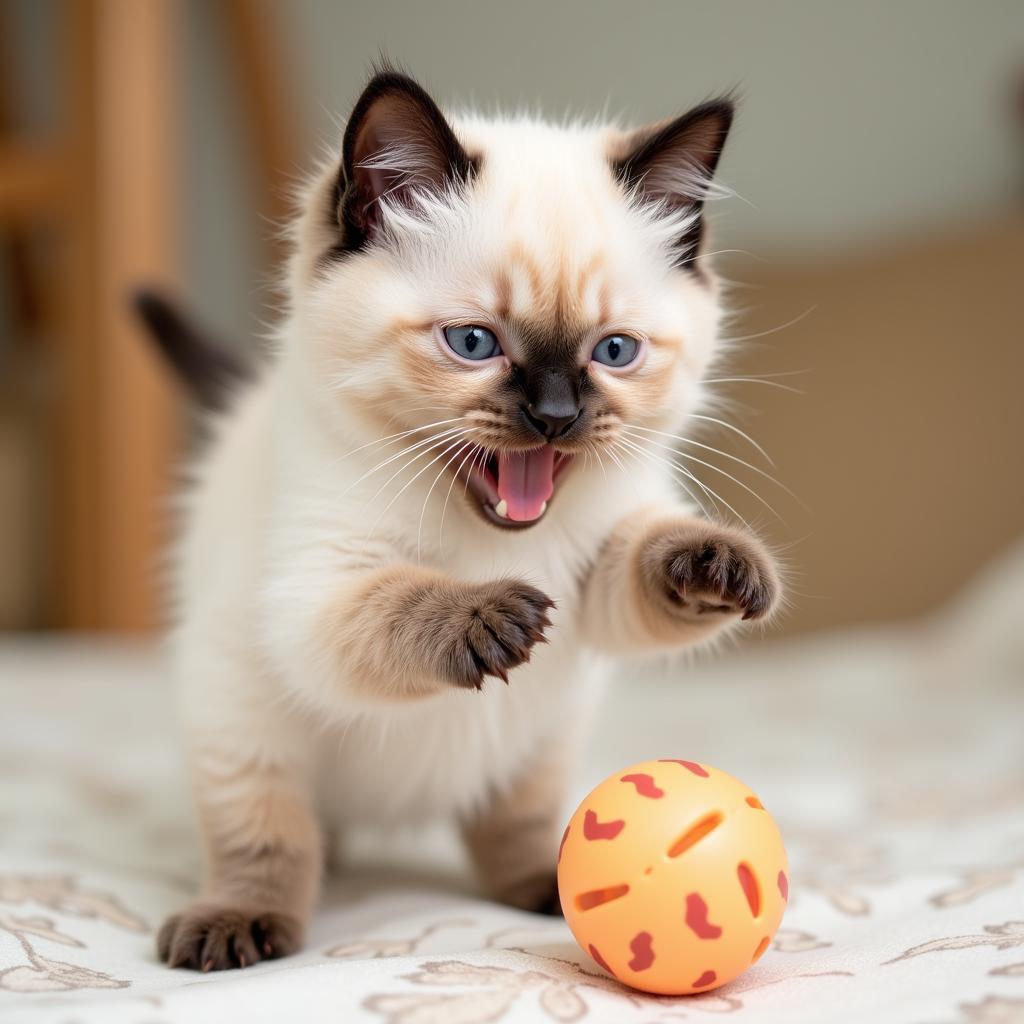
column 472, row 342
column 616, row 350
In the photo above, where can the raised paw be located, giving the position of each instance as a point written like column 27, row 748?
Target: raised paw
column 206, row 937
column 491, row 630
column 708, row 570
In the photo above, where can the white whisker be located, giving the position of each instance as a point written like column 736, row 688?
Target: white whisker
column 632, row 428
column 674, row 468
column 774, row 330
column 755, row 380
column 778, row 373
column 471, row 454
column 437, row 443
column 483, row 454
column 618, row 462
column 401, row 434
column 409, row 483
column 735, row 430
column 423, row 511
column 405, row 451
column 739, row 483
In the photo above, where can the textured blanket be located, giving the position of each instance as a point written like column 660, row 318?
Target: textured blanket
column 893, row 760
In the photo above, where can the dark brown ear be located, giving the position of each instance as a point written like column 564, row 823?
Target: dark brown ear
column 396, row 141
column 674, row 163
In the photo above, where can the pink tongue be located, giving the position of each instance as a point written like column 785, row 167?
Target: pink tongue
column 525, row 482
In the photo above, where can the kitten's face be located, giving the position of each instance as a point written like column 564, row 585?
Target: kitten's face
column 526, row 314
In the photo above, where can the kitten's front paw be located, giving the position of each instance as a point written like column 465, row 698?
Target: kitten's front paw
column 207, row 937
column 492, row 630
column 708, row 571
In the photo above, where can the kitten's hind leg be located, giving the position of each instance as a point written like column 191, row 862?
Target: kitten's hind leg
column 514, row 840
column 263, row 853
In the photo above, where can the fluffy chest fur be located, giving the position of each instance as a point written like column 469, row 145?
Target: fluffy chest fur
column 277, row 509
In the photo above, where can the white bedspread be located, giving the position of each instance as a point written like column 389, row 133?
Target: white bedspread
column 892, row 759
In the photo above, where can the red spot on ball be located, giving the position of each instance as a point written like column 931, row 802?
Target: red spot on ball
column 751, row 889
column 707, row 978
column 598, row 959
column 642, row 950
column 697, row 918
column 644, row 785
column 784, row 885
column 561, row 845
column 594, row 829
column 688, row 765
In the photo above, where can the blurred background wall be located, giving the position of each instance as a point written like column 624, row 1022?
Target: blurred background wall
column 875, row 252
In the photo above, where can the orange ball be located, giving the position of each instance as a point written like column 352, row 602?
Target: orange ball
column 673, row 877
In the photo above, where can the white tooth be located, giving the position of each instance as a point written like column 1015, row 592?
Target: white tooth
column 544, row 508
column 502, row 508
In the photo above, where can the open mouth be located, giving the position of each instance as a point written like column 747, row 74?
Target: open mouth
column 514, row 488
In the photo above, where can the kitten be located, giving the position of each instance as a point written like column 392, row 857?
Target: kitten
column 447, row 482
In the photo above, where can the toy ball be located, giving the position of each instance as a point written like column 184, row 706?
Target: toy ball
column 673, row 877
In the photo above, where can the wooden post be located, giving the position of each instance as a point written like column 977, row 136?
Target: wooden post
column 254, row 37
column 137, row 151
column 75, row 567
column 118, row 436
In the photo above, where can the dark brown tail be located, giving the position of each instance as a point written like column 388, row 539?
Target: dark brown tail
column 209, row 370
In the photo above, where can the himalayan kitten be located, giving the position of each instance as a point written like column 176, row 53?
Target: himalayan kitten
column 415, row 536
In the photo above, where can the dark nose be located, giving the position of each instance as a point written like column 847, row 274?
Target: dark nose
column 551, row 399
column 551, row 419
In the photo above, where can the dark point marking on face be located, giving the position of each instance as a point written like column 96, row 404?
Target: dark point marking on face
column 549, row 389
column 586, row 272
column 520, row 260
column 552, row 341
column 502, row 295
column 551, row 393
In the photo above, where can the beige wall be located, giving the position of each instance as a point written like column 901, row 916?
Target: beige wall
column 857, row 122
column 881, row 175
column 862, row 127
column 907, row 442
